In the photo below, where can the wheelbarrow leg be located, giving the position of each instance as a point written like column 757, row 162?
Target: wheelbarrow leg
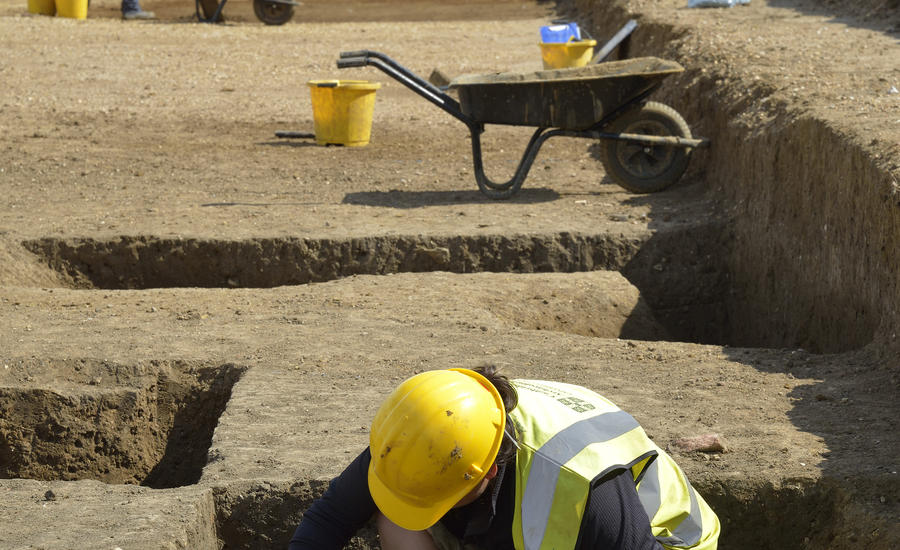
column 508, row 189
column 216, row 13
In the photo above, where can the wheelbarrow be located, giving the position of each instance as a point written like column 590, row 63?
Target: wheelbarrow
column 270, row 12
column 646, row 145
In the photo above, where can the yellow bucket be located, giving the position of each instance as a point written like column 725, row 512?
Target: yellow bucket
column 42, row 7
column 342, row 111
column 76, row 9
column 562, row 55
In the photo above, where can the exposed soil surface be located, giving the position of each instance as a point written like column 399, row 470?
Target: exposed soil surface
column 200, row 318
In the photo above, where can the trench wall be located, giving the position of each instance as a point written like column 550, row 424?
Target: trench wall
column 260, row 515
column 816, row 212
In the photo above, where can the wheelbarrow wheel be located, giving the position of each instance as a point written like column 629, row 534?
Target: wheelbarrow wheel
column 641, row 168
column 272, row 13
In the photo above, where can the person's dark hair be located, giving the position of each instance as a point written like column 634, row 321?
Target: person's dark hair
column 510, row 398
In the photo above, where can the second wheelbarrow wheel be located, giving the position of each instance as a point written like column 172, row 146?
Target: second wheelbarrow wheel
column 642, row 168
column 273, row 13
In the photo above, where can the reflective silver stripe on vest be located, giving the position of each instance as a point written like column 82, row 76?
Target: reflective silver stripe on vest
column 690, row 529
column 552, row 455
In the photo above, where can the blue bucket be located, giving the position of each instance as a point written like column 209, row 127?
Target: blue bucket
column 560, row 33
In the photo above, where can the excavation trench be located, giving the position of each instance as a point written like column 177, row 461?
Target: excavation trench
column 796, row 514
column 679, row 273
column 815, row 218
column 147, row 424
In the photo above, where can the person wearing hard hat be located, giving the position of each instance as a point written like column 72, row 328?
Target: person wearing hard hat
column 463, row 459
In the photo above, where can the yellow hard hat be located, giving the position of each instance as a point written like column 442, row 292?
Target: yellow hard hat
column 432, row 441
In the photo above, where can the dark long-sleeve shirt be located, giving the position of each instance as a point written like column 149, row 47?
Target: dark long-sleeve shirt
column 614, row 518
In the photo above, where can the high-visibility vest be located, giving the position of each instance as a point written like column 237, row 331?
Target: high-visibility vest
column 570, row 437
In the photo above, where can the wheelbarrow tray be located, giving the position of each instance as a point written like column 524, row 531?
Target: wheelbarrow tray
column 569, row 99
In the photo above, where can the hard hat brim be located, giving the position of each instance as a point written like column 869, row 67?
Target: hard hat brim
column 408, row 515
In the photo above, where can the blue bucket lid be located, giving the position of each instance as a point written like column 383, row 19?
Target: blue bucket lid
column 560, row 33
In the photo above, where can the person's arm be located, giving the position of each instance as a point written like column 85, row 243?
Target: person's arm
column 338, row 514
column 615, row 518
column 394, row 537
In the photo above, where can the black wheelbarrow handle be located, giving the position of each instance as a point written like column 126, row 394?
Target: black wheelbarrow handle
column 356, row 53
column 417, row 84
column 394, row 66
column 345, row 62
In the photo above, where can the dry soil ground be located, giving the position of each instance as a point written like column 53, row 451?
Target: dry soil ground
column 200, row 318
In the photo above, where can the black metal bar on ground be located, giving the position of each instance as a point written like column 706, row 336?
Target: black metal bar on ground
column 607, row 48
column 294, row 135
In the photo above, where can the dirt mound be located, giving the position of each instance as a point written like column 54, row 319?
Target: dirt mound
column 18, row 267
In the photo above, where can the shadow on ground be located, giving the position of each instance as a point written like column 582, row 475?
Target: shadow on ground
column 418, row 199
